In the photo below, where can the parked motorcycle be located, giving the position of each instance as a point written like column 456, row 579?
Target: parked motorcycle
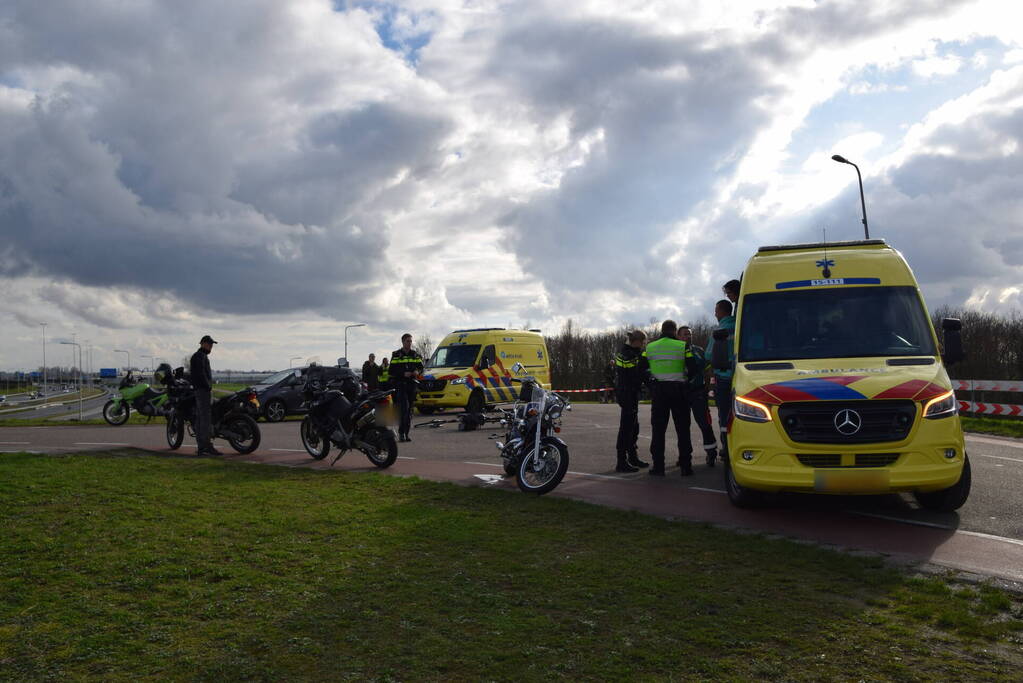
column 138, row 395
column 531, row 452
column 232, row 416
column 342, row 413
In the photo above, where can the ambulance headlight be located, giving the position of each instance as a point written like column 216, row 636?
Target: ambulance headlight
column 751, row 411
column 460, row 380
column 942, row 406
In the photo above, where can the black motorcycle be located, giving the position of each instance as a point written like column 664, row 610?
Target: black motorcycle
column 531, row 452
column 343, row 413
column 232, row 416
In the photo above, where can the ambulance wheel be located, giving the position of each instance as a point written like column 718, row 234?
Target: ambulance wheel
column 740, row 496
column 950, row 499
column 476, row 404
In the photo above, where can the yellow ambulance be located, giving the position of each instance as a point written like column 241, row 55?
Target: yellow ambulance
column 839, row 382
column 471, row 369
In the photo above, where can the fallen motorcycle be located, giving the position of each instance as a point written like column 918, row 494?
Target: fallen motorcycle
column 231, row 416
column 343, row 414
column 133, row 394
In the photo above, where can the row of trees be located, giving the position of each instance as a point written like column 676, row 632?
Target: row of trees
column 993, row 344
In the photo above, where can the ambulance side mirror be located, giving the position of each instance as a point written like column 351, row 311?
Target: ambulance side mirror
column 719, row 358
column 484, row 363
column 953, row 341
column 518, row 368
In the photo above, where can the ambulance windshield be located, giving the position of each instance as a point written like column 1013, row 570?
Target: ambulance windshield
column 458, row 356
column 834, row 322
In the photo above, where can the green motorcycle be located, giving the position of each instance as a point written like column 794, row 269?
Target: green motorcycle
column 138, row 396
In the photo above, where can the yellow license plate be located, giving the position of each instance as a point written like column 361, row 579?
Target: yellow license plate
column 834, row 481
column 254, row 402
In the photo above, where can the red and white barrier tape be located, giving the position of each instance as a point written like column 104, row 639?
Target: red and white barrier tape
column 581, row 391
column 986, row 385
column 1006, row 409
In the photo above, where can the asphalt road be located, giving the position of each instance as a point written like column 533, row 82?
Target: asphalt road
column 995, row 506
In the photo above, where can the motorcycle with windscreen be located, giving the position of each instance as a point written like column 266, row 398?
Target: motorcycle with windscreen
column 531, row 449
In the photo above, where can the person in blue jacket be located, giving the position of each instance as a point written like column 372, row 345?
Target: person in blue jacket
column 723, row 378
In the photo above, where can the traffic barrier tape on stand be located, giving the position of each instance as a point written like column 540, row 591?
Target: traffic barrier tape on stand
column 1006, row 409
column 581, row 391
column 986, row 385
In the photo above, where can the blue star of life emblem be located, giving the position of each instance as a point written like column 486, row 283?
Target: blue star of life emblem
column 825, row 263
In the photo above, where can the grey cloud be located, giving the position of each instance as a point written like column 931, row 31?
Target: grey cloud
column 192, row 159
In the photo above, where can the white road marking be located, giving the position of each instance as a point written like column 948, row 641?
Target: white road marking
column 700, row 488
column 482, row 464
column 15, row 443
column 98, row 443
column 996, row 442
column 289, row 450
column 405, row 457
column 596, row 476
column 915, row 522
column 996, row 457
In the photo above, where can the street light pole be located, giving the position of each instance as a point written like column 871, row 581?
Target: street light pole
column 348, row 327
column 863, row 204
column 43, row 325
column 152, row 360
column 292, row 360
column 71, row 343
column 129, row 357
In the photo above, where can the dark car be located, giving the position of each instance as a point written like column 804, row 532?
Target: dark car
column 280, row 394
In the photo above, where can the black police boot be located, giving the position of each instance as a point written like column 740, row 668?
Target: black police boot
column 712, row 455
column 686, row 470
column 623, row 464
column 656, row 470
column 634, row 460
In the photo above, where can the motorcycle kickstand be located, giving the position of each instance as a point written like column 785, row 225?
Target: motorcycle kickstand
column 338, row 456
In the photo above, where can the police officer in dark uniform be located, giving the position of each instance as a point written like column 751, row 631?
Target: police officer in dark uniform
column 630, row 374
column 202, row 381
column 406, row 365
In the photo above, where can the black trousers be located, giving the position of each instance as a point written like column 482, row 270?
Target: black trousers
column 203, row 418
column 669, row 400
column 405, row 397
column 723, row 397
column 701, row 415
column 628, row 425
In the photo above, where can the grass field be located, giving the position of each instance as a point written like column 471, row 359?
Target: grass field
column 127, row 567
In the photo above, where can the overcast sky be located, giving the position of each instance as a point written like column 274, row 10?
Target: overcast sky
column 268, row 172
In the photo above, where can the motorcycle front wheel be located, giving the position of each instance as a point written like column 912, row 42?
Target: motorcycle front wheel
column 383, row 440
column 314, row 443
column 116, row 412
column 541, row 472
column 175, row 431
column 242, row 432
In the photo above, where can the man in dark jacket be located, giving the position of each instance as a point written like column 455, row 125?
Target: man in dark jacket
column 202, row 380
column 406, row 366
column 630, row 373
column 371, row 373
column 696, row 394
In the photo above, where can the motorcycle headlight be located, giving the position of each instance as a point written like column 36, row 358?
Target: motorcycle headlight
column 555, row 414
column 459, row 380
column 945, row 405
column 750, row 411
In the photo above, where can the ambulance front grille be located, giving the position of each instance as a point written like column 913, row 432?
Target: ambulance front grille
column 818, row 421
column 835, row 459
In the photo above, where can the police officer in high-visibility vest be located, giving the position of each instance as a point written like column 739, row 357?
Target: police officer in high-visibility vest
column 671, row 363
column 406, row 365
column 384, row 376
column 630, row 373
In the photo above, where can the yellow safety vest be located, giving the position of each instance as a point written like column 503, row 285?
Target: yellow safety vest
column 667, row 359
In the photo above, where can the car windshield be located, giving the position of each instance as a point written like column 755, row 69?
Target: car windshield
column 839, row 322
column 460, row 356
column 276, row 377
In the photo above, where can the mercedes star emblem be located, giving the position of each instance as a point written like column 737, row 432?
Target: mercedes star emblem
column 848, row 422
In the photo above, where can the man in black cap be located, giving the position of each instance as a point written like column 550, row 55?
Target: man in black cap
column 202, row 380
